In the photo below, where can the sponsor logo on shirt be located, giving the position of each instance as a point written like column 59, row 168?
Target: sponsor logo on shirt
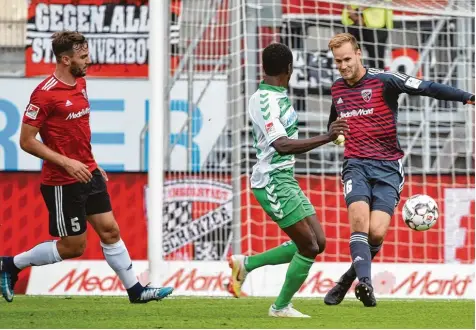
column 269, row 127
column 355, row 113
column 289, row 118
column 75, row 115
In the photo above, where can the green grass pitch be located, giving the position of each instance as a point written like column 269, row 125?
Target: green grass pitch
column 221, row 313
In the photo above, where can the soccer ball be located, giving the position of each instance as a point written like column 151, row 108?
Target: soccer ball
column 420, row 212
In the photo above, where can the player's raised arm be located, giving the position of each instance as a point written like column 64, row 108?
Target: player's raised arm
column 403, row 83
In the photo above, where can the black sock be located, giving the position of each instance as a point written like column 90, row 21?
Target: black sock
column 374, row 249
column 360, row 251
column 135, row 291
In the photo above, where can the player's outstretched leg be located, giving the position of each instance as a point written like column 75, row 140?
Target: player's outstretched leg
column 310, row 240
column 42, row 254
column 338, row 292
column 117, row 257
column 241, row 265
column 283, row 200
column 8, row 277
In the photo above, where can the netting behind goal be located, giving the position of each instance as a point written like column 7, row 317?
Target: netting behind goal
column 198, row 187
column 215, row 61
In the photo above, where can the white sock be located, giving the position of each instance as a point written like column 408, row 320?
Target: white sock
column 118, row 259
column 44, row 253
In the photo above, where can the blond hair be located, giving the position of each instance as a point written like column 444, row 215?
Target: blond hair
column 339, row 39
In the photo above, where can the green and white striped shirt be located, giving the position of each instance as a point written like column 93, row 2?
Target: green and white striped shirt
column 273, row 116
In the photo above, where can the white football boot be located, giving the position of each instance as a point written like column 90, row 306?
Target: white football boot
column 287, row 311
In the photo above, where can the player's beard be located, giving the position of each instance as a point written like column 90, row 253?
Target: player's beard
column 77, row 72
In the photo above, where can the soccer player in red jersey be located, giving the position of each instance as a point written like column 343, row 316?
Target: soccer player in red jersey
column 372, row 171
column 73, row 185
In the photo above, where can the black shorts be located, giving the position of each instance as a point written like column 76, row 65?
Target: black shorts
column 69, row 205
column 377, row 182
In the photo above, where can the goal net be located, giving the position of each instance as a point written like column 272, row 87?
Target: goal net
column 215, row 47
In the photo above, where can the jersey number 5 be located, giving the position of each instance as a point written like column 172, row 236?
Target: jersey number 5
column 75, row 224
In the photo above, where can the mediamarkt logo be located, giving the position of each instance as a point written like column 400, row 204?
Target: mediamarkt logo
column 355, row 113
column 418, row 283
column 78, row 114
column 185, row 279
column 87, row 281
column 194, row 280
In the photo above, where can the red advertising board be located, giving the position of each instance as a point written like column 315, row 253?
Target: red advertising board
column 24, row 218
column 209, row 278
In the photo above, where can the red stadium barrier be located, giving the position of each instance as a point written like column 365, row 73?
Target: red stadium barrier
column 24, row 219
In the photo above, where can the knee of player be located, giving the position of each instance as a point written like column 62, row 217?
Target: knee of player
column 359, row 222
column 80, row 249
column 310, row 249
column 69, row 250
column 376, row 236
column 359, row 213
column 110, row 234
column 321, row 243
column 379, row 225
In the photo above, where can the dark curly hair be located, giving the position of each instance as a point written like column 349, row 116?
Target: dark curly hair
column 276, row 59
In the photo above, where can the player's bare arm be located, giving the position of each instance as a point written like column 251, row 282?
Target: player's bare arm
column 286, row 146
column 33, row 146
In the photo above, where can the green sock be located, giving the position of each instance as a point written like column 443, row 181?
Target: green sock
column 279, row 255
column 295, row 276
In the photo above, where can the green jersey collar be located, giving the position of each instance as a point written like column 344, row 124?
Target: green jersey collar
column 263, row 86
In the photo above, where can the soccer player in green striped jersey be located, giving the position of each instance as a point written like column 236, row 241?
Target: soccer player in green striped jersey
column 275, row 131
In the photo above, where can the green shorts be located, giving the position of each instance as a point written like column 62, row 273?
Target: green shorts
column 283, row 200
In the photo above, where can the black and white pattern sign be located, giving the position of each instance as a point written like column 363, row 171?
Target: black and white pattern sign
column 208, row 233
